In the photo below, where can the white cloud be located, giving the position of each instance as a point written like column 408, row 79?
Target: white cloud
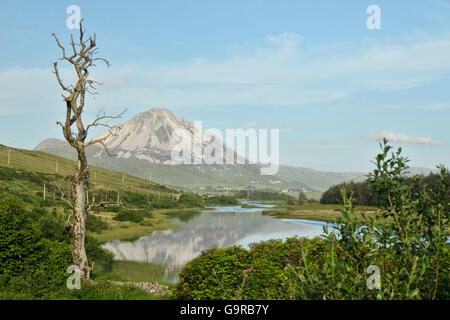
column 287, row 71
column 441, row 3
column 438, row 106
column 400, row 137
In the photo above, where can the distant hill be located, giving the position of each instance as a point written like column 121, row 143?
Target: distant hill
column 143, row 147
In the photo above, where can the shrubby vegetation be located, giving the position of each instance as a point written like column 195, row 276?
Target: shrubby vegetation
column 236, row 273
column 364, row 194
column 129, row 215
column 95, row 224
column 406, row 240
column 35, row 252
column 221, row 200
column 263, row 195
column 190, row 201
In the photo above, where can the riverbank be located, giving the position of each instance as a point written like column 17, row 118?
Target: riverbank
column 313, row 211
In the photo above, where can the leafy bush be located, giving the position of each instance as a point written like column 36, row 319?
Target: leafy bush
column 18, row 238
column 129, row 215
column 95, row 224
column 229, row 200
column 216, row 274
column 51, row 226
column 30, row 265
column 406, row 240
column 164, row 203
column 95, row 252
column 190, row 201
column 236, row 273
column 135, row 199
column 262, row 195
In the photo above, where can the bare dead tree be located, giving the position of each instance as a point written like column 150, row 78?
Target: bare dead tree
column 82, row 59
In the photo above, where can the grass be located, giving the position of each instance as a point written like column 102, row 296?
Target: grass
column 133, row 271
column 41, row 162
column 126, row 230
column 313, row 211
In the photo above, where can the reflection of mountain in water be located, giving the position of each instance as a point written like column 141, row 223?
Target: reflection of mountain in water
column 174, row 248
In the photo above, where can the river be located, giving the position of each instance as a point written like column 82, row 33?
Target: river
column 216, row 227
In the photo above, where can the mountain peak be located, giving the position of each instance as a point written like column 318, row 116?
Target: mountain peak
column 153, row 134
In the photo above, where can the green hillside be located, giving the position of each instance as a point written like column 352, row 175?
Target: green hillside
column 61, row 169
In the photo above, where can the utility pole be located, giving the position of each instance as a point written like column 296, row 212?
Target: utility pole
column 44, row 191
column 56, row 166
column 118, row 197
column 87, row 197
column 9, row 156
column 123, row 177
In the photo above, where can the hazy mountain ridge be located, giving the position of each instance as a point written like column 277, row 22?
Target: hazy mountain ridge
column 143, row 147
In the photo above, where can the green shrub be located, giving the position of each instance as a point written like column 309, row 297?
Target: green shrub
column 190, row 201
column 164, row 203
column 230, row 200
column 18, row 238
column 236, row 273
column 216, row 274
column 135, row 199
column 95, row 224
column 129, row 215
column 406, row 240
column 95, row 252
column 51, row 226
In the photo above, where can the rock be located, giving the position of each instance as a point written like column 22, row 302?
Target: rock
column 150, row 287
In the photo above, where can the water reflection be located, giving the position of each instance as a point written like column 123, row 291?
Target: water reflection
column 219, row 227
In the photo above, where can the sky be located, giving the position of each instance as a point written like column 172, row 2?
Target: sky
column 311, row 69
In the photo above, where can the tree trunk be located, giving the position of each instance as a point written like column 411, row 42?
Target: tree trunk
column 77, row 246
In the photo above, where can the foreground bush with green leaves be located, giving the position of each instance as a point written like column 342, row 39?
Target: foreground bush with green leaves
column 406, row 244
column 35, row 252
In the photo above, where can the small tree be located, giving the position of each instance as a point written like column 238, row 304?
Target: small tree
column 82, row 58
column 301, row 197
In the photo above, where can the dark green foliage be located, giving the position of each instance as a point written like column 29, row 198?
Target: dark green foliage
column 135, row 199
column 129, row 215
column 406, row 240
column 30, row 264
column 190, row 201
column 95, row 252
column 164, row 203
column 51, row 226
column 263, row 195
column 236, row 273
column 301, row 197
column 291, row 202
column 18, row 238
column 95, row 224
column 35, row 252
column 361, row 192
column 222, row 200
column 216, row 274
